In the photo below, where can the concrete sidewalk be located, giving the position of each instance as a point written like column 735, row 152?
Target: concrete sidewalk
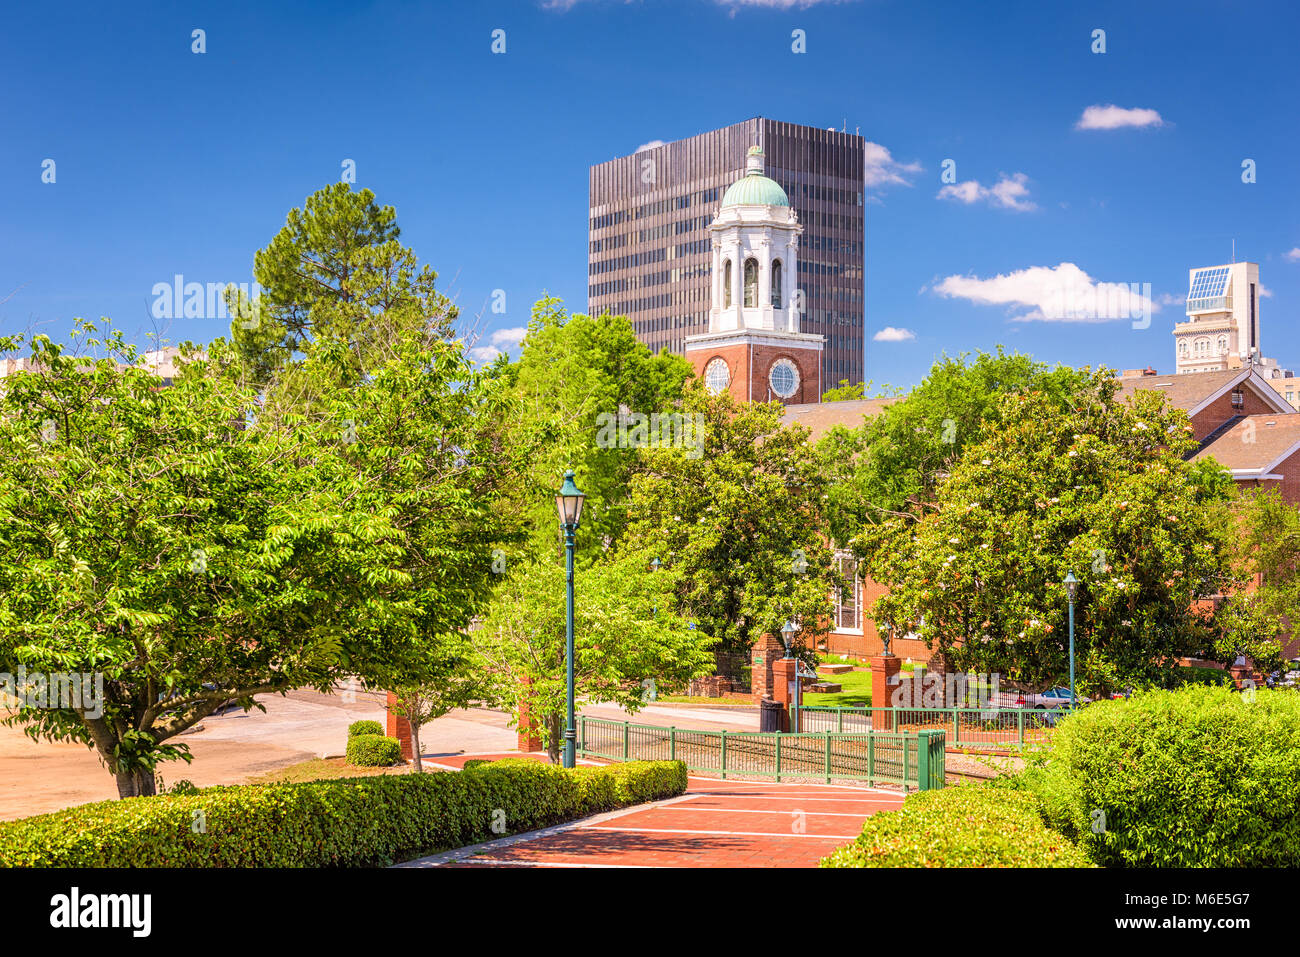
column 693, row 718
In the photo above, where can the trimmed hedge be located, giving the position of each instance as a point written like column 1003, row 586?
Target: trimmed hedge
column 351, row 822
column 965, row 826
column 373, row 751
column 364, row 727
column 1197, row 777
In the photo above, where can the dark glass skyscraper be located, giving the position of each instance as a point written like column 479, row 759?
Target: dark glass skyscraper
column 649, row 252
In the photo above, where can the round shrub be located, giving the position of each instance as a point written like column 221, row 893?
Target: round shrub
column 963, row 826
column 364, row 727
column 1197, row 777
column 373, row 751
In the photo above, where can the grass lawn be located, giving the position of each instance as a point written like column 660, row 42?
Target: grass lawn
column 323, row 769
column 856, row 693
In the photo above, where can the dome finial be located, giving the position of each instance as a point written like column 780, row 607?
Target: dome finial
column 754, row 161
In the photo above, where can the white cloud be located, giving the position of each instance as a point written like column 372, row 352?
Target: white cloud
column 1169, row 299
column 512, row 336
column 967, row 192
column 1265, row 292
column 649, row 146
column 891, row 334
column 484, row 353
column 1009, row 192
column 1293, row 255
column 881, row 169
column 1062, row 293
column 1113, row 117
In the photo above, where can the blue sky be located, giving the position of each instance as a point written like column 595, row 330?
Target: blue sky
column 168, row 161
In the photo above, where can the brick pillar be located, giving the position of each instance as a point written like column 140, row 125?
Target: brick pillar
column 784, row 674
column 400, row 728
column 529, row 731
column 884, row 679
column 767, row 650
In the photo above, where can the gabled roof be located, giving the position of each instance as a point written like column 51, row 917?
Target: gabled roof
column 820, row 417
column 1255, row 445
column 1193, row 391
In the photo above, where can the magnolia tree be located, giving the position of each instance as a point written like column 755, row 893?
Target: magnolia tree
column 626, row 635
column 189, row 547
column 1100, row 489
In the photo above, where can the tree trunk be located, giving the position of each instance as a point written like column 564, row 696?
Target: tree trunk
column 415, row 748
column 137, row 783
column 553, row 746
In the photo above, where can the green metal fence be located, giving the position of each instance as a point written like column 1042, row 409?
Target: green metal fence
column 963, row 727
column 912, row 759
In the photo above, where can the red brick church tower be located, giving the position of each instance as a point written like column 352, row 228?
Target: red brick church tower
column 754, row 347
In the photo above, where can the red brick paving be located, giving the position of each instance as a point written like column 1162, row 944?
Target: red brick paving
column 715, row 824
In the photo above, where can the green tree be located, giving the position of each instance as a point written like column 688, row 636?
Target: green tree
column 335, row 271
column 895, row 462
column 1101, row 489
column 575, row 374
column 844, row 392
column 742, row 519
column 192, row 549
column 1268, row 553
column 625, row 634
column 451, row 676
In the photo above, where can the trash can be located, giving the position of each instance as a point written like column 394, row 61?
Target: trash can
column 770, row 715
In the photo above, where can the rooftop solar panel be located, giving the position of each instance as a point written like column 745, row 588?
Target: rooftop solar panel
column 1209, row 288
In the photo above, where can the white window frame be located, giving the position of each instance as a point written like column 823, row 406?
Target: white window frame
column 841, row 558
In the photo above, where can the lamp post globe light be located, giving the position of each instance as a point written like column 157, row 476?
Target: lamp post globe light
column 1071, row 590
column 568, row 504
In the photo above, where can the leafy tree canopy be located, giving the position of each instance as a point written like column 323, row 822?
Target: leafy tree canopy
column 742, row 520
column 1101, row 489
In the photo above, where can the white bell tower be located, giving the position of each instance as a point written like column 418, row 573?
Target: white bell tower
column 755, row 256
column 754, row 348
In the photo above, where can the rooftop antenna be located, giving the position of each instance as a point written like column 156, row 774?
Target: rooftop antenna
column 1234, row 249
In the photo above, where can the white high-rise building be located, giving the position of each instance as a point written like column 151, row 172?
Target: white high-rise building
column 1222, row 327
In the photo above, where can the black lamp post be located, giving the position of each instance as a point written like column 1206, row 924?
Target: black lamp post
column 568, row 503
column 1071, row 590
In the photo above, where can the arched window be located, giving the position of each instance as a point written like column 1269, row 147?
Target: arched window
column 1202, row 347
column 1182, row 348
column 751, row 283
column 726, row 285
column 776, row 283
column 1223, row 345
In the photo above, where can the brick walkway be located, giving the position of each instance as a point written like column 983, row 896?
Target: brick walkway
column 716, row 823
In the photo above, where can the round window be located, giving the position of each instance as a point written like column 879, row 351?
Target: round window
column 784, row 378
column 716, row 375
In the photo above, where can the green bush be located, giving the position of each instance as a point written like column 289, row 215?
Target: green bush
column 351, row 822
column 1197, row 777
column 373, row 751
column 364, row 727
column 963, row 826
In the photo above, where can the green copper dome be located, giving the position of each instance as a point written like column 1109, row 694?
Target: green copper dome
column 755, row 189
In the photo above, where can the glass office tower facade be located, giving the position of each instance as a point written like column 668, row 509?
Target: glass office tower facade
column 649, row 246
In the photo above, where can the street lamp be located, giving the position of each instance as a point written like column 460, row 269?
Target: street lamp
column 1071, row 590
column 788, row 631
column 568, row 503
